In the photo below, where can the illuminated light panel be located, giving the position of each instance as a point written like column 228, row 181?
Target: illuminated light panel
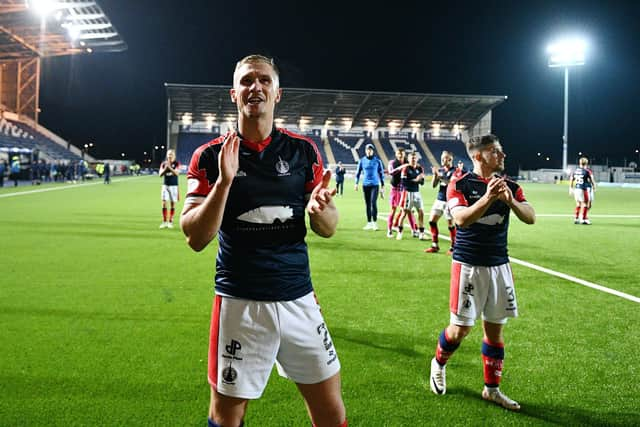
column 42, row 7
column 567, row 53
column 435, row 129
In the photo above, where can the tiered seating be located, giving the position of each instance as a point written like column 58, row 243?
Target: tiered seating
column 393, row 142
column 455, row 146
column 21, row 135
column 188, row 142
column 348, row 148
column 318, row 140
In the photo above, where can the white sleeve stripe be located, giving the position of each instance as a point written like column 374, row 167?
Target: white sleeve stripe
column 194, row 200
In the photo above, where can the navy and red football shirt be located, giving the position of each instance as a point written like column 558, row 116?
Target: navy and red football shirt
column 408, row 178
column 170, row 178
column 262, row 254
column 483, row 243
column 583, row 178
column 445, row 175
column 395, row 173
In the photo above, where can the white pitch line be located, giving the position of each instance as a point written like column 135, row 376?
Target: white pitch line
column 590, row 216
column 62, row 187
column 575, row 280
column 567, row 277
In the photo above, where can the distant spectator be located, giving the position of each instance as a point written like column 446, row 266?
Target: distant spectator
column 372, row 183
column 15, row 170
column 107, row 173
column 340, row 171
column 3, row 169
column 53, row 172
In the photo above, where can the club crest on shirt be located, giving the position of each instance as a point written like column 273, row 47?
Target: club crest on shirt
column 282, row 167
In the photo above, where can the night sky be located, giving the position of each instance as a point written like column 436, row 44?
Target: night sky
column 117, row 101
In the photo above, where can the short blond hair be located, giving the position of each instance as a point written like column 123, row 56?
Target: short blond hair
column 583, row 161
column 257, row 58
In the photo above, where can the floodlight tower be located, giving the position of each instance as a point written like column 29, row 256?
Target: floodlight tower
column 566, row 53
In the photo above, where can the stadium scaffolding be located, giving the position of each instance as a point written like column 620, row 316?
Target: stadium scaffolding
column 69, row 27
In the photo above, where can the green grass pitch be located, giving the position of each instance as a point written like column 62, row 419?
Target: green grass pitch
column 104, row 317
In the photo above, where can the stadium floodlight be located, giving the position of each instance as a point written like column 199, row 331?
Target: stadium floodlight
column 566, row 53
column 42, row 7
column 73, row 30
column 435, row 129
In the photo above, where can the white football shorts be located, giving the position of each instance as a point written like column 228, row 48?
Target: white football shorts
column 413, row 200
column 440, row 208
column 170, row 193
column 583, row 195
column 478, row 290
column 248, row 337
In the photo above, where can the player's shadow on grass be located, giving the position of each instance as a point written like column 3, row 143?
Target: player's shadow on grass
column 395, row 343
column 560, row 415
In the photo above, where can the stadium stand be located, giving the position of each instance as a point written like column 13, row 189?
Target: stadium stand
column 15, row 134
column 348, row 147
column 391, row 142
column 320, row 144
column 344, row 121
column 455, row 146
column 188, row 142
column 25, row 41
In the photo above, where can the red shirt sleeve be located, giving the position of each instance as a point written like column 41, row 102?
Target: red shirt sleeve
column 454, row 196
column 317, row 168
column 520, row 195
column 198, row 184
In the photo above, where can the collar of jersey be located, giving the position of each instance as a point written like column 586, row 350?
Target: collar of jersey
column 483, row 179
column 257, row 146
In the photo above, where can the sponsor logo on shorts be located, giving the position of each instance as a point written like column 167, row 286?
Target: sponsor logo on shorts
column 468, row 289
column 327, row 343
column 511, row 298
column 229, row 375
column 233, row 348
